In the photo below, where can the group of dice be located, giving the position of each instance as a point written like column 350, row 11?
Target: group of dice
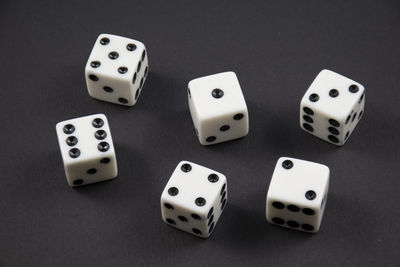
column 195, row 196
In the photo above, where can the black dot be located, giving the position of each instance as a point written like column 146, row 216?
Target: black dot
column 186, row 167
column 308, row 127
column 141, row 82
column 238, row 116
column 131, row 47
column 278, row 205
column 310, row 195
column 348, row 119
column 200, row 201
column 170, row 221
column 222, row 189
column 196, row 231
column 173, row 191
column 69, row 129
column 190, row 95
column 97, row 123
column 308, row 119
column 354, row 116
column 137, row 94
column 78, row 182
column 122, row 70
column 105, row 160
column 103, row 146
column 182, row 218
column 104, row 41
column 168, row 206
column 139, row 66
column 145, row 71
column 195, row 216
column 211, row 228
column 108, row 89
column 210, row 212
column 360, row 115
column 71, row 140
column 333, row 130
column 91, row 171
column 308, row 211
column 293, row 224
column 74, row 153
column 224, row 128
column 217, row 93
column 287, row 164
column 353, row 88
column 95, row 64
column 100, row 134
column 361, row 98
column 210, row 220
column 93, row 77
column 134, row 78
column 309, row 111
column 333, row 139
column 314, row 97
column 307, row 227
column 211, row 139
column 113, row 55
column 333, row 93
column 223, row 196
column 223, row 204
column 213, row 178
column 334, row 122
column 347, row 135
column 293, row 208
column 278, row 220
column 123, row 100
column 143, row 54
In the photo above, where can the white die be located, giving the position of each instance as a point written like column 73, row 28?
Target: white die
column 117, row 69
column 332, row 107
column 297, row 194
column 87, row 149
column 218, row 108
column 194, row 199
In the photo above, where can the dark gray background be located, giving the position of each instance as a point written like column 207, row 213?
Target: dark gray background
column 276, row 48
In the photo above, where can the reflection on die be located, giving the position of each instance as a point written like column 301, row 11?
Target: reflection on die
column 194, row 198
column 87, row 149
column 218, row 108
column 297, row 194
column 332, row 107
column 116, row 69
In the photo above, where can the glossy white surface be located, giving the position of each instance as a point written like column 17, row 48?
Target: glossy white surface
column 90, row 157
column 192, row 185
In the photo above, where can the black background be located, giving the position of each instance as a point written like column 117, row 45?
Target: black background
column 276, row 48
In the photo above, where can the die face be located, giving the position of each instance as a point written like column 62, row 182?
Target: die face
column 297, row 194
column 332, row 107
column 194, row 199
column 116, row 69
column 87, row 149
column 218, row 108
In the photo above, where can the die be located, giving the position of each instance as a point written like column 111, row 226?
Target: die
column 194, row 198
column 87, row 149
column 218, row 108
column 117, row 69
column 297, row 194
column 332, row 107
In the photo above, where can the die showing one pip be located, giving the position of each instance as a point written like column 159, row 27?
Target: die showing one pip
column 87, row 149
column 117, row 69
column 332, row 107
column 297, row 194
column 194, row 198
column 218, row 108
